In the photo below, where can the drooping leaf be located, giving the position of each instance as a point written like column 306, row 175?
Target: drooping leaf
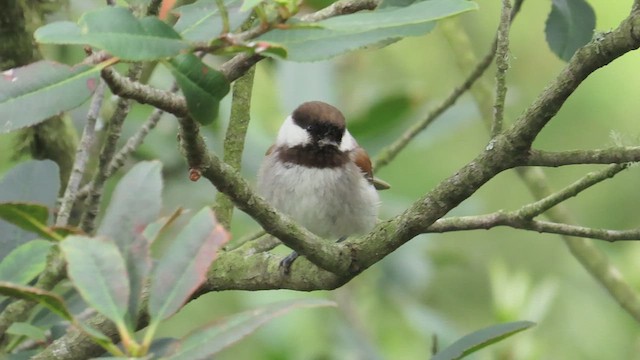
column 206, row 342
column 570, row 26
column 203, row 86
column 97, row 270
column 340, row 34
column 201, row 21
column 28, row 330
column 136, row 202
column 52, row 301
column 53, row 87
column 183, row 267
column 25, row 262
column 118, row 31
column 480, row 339
column 34, row 182
column 153, row 230
column 29, row 217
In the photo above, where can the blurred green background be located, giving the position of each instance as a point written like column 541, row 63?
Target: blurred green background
column 436, row 285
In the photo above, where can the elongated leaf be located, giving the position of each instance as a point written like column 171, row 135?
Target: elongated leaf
column 153, row 230
column 201, row 21
column 29, row 217
column 118, row 31
column 98, row 272
column 480, row 339
column 184, row 265
column 34, row 182
column 570, row 25
column 25, row 262
column 48, row 299
column 206, row 342
column 28, row 330
column 202, row 86
column 338, row 35
column 136, row 202
column 53, row 87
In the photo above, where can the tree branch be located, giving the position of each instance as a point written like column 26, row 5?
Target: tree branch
column 513, row 220
column 82, row 157
column 234, row 139
column 389, row 153
column 588, row 255
column 114, row 131
column 615, row 155
column 502, row 65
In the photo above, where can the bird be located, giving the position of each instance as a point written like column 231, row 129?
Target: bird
column 318, row 175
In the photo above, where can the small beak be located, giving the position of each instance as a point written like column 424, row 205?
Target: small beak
column 327, row 142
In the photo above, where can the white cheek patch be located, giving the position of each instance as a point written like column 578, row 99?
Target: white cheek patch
column 291, row 135
column 348, row 143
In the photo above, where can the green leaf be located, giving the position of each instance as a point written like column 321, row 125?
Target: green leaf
column 136, row 202
column 156, row 228
column 201, row 21
column 480, row 339
column 340, row 34
column 48, row 299
column 383, row 117
column 183, row 267
column 98, row 272
column 54, row 87
column 28, row 330
column 201, row 85
column 570, row 26
column 249, row 4
column 25, row 262
column 118, row 31
column 29, row 217
column 206, row 342
column 34, row 182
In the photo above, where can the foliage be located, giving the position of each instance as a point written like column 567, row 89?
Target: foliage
column 139, row 269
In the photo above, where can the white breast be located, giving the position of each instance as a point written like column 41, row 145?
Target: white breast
column 330, row 202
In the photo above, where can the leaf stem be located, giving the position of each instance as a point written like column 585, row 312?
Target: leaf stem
column 224, row 14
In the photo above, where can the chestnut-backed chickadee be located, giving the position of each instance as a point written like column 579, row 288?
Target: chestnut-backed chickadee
column 318, row 175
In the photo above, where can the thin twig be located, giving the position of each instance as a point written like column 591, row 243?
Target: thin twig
column 387, row 154
column 534, row 209
column 513, row 220
column 502, row 64
column 92, row 202
column 593, row 259
column 82, row 156
column 613, row 155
